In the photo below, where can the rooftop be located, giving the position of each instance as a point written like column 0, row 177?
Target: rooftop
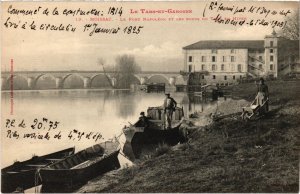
column 226, row 44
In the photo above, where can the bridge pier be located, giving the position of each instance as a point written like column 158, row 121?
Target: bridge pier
column 172, row 81
column 58, row 82
column 113, row 81
column 87, row 82
column 143, row 80
column 30, row 82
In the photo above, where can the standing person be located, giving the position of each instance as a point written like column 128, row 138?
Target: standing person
column 262, row 94
column 169, row 107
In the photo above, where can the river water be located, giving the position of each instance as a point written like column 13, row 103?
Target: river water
column 102, row 112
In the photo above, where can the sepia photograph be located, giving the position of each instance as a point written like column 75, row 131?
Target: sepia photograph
column 150, row 97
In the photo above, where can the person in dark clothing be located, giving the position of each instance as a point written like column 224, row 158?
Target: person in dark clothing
column 169, row 107
column 143, row 120
column 262, row 94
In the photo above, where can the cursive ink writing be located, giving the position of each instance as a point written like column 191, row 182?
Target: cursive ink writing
column 218, row 9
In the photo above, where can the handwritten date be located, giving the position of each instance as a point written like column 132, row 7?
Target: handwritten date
column 95, row 29
column 115, row 11
column 132, row 29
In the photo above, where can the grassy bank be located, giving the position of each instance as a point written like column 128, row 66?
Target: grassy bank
column 229, row 155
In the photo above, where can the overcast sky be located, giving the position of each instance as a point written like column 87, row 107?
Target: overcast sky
column 157, row 47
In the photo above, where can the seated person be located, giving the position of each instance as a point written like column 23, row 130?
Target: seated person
column 143, row 120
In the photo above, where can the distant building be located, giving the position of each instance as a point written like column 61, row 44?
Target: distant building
column 226, row 61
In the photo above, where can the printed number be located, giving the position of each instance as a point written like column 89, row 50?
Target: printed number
column 132, row 29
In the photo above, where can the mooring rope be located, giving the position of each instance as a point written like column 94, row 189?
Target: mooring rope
column 117, row 138
column 120, row 135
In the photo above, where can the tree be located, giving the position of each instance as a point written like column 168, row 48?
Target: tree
column 291, row 29
column 101, row 62
column 125, row 68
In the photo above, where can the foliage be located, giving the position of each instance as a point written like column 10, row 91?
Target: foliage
column 126, row 67
column 123, row 70
column 291, row 29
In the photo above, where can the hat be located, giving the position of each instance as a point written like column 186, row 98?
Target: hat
column 142, row 113
column 167, row 94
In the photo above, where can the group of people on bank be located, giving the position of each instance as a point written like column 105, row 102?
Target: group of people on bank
column 169, row 105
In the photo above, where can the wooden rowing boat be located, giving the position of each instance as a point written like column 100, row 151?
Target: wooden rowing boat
column 22, row 174
column 82, row 166
column 151, row 130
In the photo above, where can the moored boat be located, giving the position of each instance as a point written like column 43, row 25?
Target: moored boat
column 151, row 130
column 22, row 174
column 82, row 166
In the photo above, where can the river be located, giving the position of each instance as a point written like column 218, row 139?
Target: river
column 103, row 112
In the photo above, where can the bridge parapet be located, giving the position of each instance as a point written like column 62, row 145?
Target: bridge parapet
column 87, row 77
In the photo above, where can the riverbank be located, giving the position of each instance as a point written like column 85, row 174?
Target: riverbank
column 228, row 155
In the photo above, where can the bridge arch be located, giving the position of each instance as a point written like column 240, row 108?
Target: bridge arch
column 101, row 80
column 16, row 75
column 19, row 82
column 158, row 78
column 45, row 81
column 135, row 80
column 139, row 78
column 76, row 82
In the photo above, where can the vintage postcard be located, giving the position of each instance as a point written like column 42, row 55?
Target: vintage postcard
column 150, row 96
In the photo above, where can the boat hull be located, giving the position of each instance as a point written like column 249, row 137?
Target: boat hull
column 13, row 177
column 149, row 131
column 61, row 176
column 138, row 140
column 66, row 175
column 24, row 180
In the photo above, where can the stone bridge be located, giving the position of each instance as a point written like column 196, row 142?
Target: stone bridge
column 30, row 79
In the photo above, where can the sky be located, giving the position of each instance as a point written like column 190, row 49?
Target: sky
column 158, row 47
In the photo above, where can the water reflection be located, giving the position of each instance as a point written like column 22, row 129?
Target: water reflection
column 98, row 111
column 197, row 100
